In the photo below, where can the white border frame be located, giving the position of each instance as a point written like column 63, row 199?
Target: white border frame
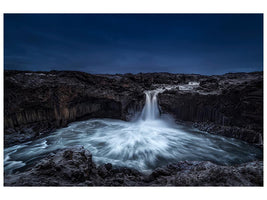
column 130, row 6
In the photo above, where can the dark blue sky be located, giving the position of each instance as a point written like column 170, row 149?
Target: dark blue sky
column 177, row 43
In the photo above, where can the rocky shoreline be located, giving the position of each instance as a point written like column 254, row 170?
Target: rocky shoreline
column 75, row 167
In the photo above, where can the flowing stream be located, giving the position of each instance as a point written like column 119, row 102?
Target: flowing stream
column 151, row 141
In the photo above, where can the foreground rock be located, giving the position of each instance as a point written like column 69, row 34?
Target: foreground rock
column 74, row 167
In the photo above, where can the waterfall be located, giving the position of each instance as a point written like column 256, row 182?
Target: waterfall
column 151, row 110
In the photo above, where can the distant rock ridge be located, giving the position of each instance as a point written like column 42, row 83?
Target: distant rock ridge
column 36, row 103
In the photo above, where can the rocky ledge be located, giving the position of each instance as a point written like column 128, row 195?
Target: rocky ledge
column 74, row 167
column 36, row 103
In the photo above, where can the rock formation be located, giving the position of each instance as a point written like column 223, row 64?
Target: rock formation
column 229, row 105
column 36, row 103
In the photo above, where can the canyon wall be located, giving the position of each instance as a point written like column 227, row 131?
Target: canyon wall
column 36, row 103
column 229, row 105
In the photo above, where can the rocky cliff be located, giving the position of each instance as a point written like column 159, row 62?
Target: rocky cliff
column 36, row 103
column 229, row 105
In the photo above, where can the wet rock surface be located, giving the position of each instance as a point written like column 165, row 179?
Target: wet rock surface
column 36, row 103
column 75, row 167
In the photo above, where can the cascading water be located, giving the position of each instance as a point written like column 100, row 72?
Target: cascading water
column 151, row 110
column 150, row 142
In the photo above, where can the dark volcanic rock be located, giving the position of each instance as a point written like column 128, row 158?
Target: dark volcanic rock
column 43, row 101
column 74, row 167
column 229, row 105
column 36, row 103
